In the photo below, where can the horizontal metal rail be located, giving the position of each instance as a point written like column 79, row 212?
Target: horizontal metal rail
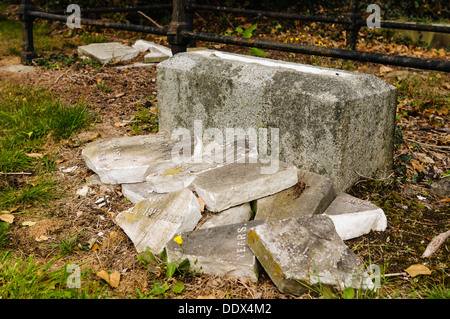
column 294, row 16
column 180, row 32
column 363, row 56
column 101, row 23
column 117, row 9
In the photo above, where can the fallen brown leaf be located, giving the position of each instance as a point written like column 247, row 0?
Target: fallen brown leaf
column 7, row 218
column 35, row 155
column 41, row 238
column 418, row 269
column 385, row 69
column 120, row 124
column 113, row 279
column 104, row 275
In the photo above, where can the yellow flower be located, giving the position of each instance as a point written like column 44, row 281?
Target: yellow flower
column 178, row 240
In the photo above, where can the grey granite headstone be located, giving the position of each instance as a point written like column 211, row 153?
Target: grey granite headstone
column 331, row 122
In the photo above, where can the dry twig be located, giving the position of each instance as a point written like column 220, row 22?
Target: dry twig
column 436, row 243
column 153, row 21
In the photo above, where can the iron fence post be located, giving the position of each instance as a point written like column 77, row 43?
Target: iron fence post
column 352, row 28
column 190, row 20
column 27, row 29
column 179, row 23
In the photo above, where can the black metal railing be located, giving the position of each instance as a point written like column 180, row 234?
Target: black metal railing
column 180, row 31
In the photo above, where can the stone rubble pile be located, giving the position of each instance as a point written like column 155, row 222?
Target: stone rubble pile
column 290, row 222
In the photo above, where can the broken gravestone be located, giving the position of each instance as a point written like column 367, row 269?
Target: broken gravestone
column 136, row 192
column 299, row 252
column 353, row 217
column 191, row 157
column 107, row 52
column 128, row 159
column 311, row 195
column 154, row 221
column 233, row 215
column 239, row 183
column 220, row 251
column 157, row 53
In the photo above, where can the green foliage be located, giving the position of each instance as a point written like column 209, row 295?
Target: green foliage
column 247, row 34
column 25, row 278
column 4, row 228
column 64, row 120
column 66, row 246
column 42, row 191
column 144, row 119
column 27, row 118
column 162, row 266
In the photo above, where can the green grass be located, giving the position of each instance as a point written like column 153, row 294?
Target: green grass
column 28, row 118
column 26, row 278
column 44, row 41
column 4, row 228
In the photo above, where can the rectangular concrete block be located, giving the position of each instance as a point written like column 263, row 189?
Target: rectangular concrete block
column 154, row 221
column 219, row 251
column 331, row 122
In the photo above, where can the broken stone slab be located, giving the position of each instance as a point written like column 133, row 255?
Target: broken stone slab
column 182, row 171
column 158, row 53
column 154, row 221
column 136, row 192
column 353, row 217
column 128, row 159
column 332, row 122
column 316, row 195
column 220, row 251
column 306, row 251
column 239, row 183
column 233, row 215
column 107, row 52
column 143, row 45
